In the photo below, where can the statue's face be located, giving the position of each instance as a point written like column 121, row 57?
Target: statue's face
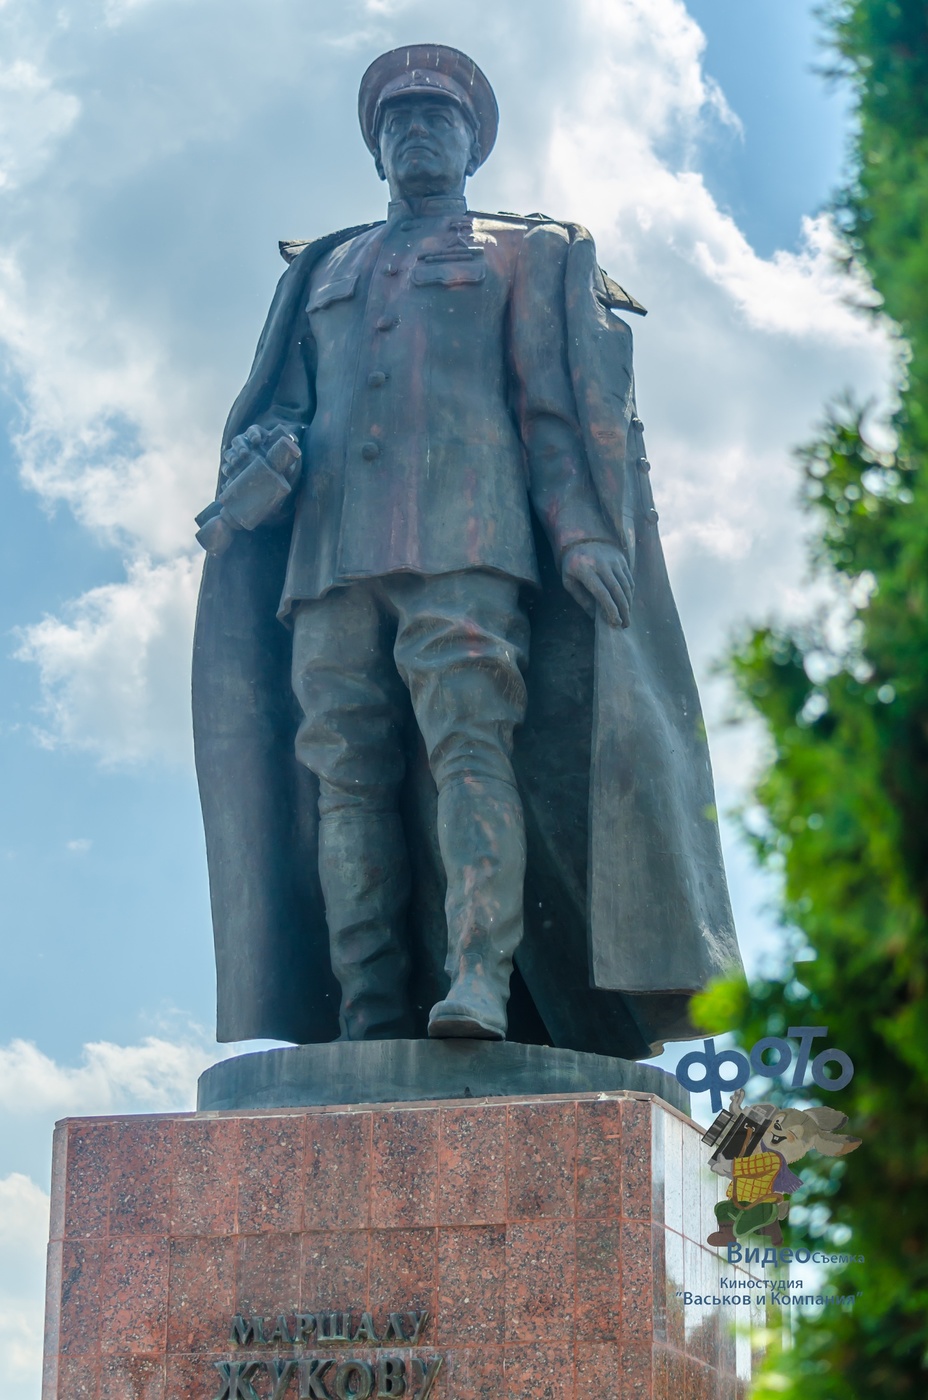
column 427, row 147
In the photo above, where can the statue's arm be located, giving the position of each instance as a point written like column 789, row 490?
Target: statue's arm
column 593, row 566
column 262, row 465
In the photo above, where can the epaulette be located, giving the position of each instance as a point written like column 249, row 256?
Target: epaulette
column 618, row 298
column 291, row 248
column 615, row 297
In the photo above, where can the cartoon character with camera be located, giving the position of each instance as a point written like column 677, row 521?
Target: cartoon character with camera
column 754, row 1147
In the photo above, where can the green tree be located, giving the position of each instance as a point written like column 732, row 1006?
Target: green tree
column 845, row 795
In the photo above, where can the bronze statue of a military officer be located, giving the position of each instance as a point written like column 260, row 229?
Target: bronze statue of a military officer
column 428, row 392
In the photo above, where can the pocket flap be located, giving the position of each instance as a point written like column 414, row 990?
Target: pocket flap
column 338, row 290
column 449, row 274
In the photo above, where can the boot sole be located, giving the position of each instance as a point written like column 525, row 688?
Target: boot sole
column 462, row 1028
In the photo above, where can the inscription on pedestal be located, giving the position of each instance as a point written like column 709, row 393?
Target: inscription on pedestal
column 374, row 1376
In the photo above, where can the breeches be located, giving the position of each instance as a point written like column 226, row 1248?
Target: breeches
column 457, row 643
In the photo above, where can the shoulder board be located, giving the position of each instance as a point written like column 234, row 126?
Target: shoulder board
column 618, row 298
column 291, row 248
column 506, row 216
column 613, row 296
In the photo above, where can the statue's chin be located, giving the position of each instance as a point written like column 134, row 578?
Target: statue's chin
column 421, row 178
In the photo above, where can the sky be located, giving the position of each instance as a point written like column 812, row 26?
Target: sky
column 152, row 152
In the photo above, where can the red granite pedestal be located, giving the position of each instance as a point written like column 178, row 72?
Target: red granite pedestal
column 548, row 1239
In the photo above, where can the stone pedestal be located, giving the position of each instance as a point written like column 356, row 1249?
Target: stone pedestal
column 532, row 1248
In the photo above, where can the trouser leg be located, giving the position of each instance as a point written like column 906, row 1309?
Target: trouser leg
column 350, row 737
column 461, row 645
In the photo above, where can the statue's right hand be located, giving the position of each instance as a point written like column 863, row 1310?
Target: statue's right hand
column 242, row 450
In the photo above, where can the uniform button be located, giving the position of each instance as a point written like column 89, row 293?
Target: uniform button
column 390, row 271
column 643, row 464
column 386, row 323
column 370, row 452
column 377, row 379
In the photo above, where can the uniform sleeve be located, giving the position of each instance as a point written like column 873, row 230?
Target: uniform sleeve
column 294, row 399
column 292, row 406
column 560, row 484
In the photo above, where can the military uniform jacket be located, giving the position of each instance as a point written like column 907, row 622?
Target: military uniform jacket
column 427, row 350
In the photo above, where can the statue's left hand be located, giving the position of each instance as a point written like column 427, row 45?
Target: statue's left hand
column 597, row 574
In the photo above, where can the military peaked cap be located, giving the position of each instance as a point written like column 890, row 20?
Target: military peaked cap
column 433, row 69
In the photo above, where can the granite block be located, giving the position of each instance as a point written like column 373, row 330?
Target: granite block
column 131, row 1378
column 140, row 1177
column 543, row 1372
column 267, row 1274
column 674, row 1215
column 206, row 1170
column 540, row 1273
column 53, row 1295
column 673, row 1289
column 201, row 1293
column 404, row 1167
column 76, row 1378
column 636, row 1372
column 472, row 1165
column 669, row 1374
column 598, row 1287
column 338, row 1171
column 473, row 1373
column 87, row 1154
column 637, row 1300
column 636, row 1159
column 270, row 1187
column 81, row 1293
column 541, row 1160
column 599, row 1159
column 404, row 1270
column 192, row 1376
column 702, row 1321
column 693, row 1168
column 51, row 1366
column 597, row 1372
column 471, row 1285
column 58, row 1196
column 335, row 1270
column 134, row 1295
column 699, row 1380
column 660, row 1132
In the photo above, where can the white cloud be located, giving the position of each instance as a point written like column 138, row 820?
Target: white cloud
column 34, row 115
column 23, row 1233
column 79, row 846
column 112, row 669
column 156, row 1076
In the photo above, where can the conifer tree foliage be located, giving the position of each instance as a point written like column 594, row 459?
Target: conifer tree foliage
column 845, row 796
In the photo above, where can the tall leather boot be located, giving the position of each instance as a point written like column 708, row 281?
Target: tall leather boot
column 482, row 839
column 364, row 871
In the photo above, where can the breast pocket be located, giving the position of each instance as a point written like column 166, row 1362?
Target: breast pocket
column 340, row 289
column 462, row 273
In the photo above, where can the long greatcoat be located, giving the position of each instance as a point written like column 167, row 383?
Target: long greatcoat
column 626, row 903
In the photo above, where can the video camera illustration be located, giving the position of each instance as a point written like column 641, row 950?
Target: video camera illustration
column 737, row 1132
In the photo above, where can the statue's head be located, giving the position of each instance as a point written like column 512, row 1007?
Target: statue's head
column 429, row 117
